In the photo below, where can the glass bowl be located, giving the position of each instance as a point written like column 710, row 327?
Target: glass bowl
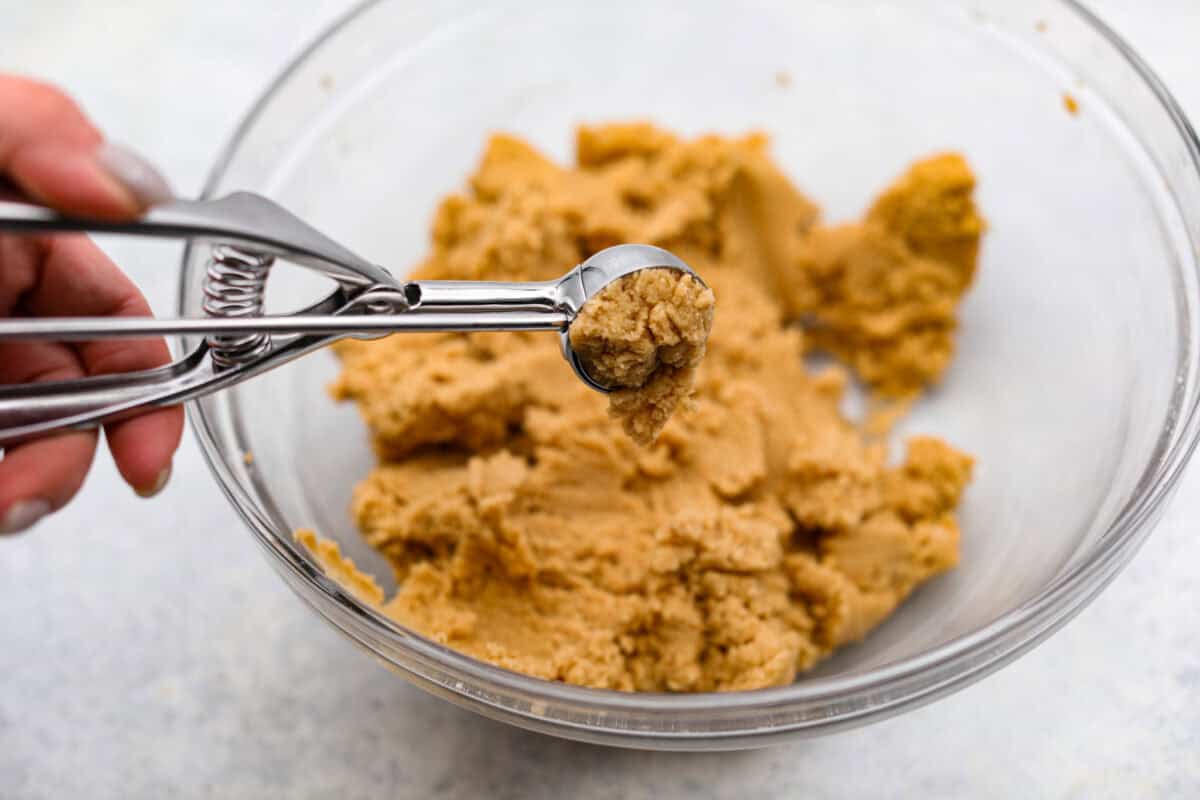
column 1075, row 383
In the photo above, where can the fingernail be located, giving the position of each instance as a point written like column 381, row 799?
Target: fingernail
column 157, row 486
column 23, row 515
column 135, row 173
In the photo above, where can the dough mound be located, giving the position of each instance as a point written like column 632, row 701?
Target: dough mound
column 762, row 529
column 644, row 336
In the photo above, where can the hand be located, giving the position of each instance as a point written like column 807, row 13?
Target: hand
column 51, row 152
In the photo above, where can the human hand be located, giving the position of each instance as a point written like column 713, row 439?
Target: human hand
column 50, row 151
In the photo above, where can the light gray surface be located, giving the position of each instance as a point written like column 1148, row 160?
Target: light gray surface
column 147, row 650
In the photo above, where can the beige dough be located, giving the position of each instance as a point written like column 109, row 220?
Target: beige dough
column 645, row 336
column 761, row 529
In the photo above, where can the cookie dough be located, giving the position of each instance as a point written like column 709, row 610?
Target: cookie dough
column 762, row 529
column 644, row 335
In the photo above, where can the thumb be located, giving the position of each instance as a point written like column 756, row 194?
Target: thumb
column 50, row 150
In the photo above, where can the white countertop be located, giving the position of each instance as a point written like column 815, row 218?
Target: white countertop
column 147, row 649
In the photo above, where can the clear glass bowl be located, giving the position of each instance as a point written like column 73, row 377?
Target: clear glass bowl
column 1076, row 379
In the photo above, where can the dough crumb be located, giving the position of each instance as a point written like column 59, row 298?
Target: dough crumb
column 644, row 336
column 760, row 531
column 1070, row 103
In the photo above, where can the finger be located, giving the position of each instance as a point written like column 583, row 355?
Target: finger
column 144, row 446
column 51, row 150
column 19, row 259
column 41, row 476
column 77, row 279
column 30, row 362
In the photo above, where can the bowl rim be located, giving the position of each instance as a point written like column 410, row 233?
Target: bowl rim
column 956, row 662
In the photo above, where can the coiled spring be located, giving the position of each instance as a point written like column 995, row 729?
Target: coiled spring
column 234, row 286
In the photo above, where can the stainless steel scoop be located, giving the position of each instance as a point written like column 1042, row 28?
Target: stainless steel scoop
column 248, row 232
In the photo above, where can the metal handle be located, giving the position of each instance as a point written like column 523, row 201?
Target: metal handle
column 28, row 411
column 415, row 306
column 31, row 410
column 240, row 218
column 79, row 329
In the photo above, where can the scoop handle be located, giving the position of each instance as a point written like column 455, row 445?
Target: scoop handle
column 241, row 218
column 33, row 410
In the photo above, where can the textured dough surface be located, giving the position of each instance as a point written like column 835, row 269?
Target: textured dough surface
column 762, row 529
column 644, row 335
